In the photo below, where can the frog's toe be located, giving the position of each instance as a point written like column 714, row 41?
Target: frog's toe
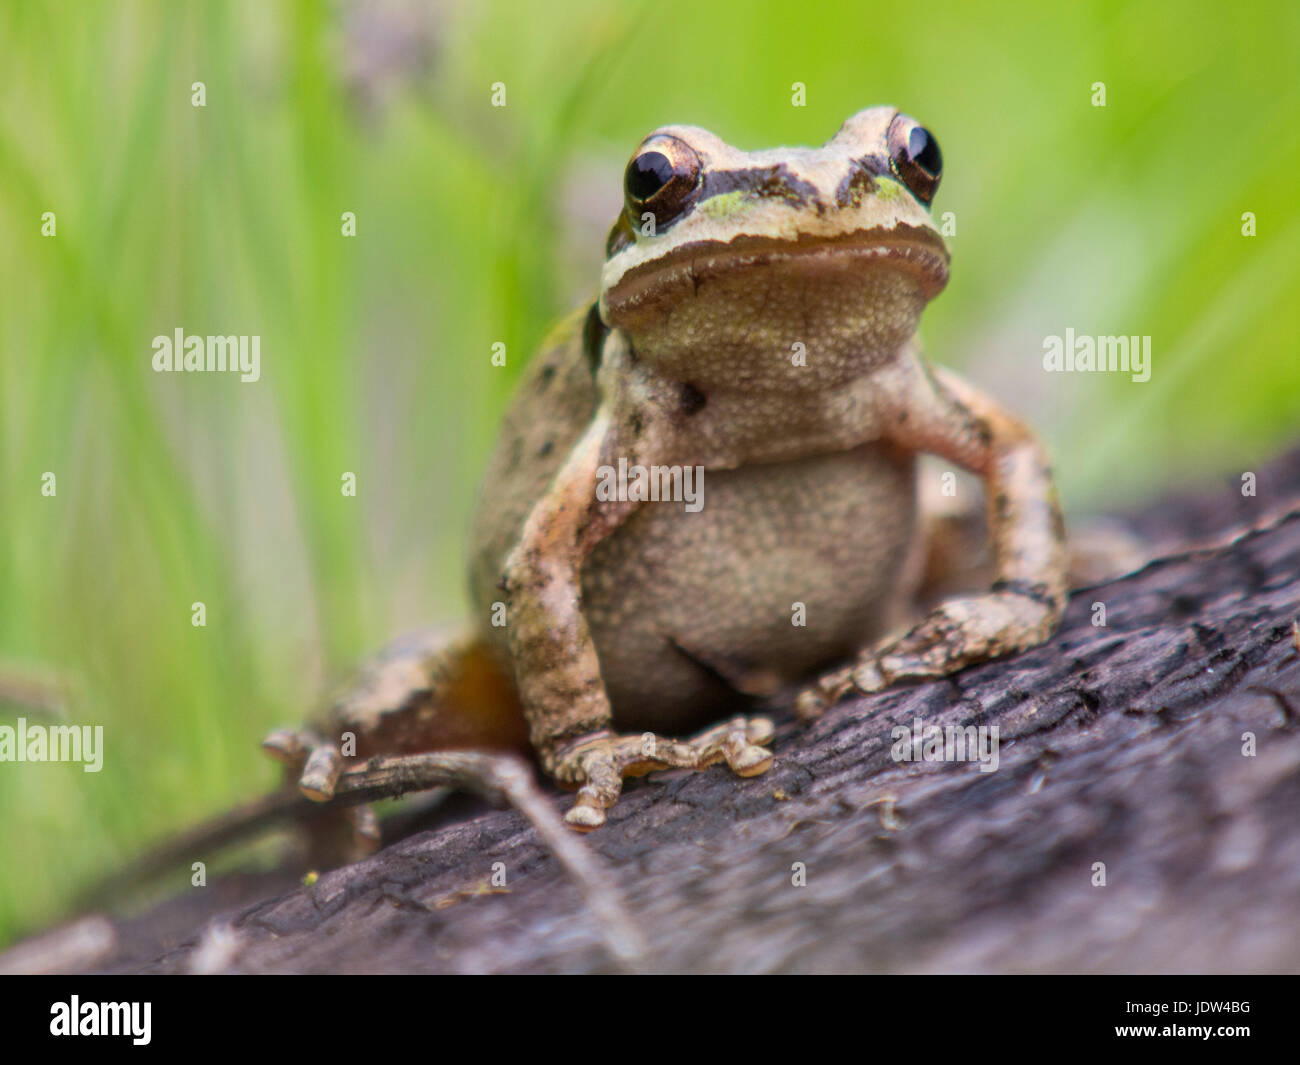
column 584, row 815
column 752, row 762
column 601, row 765
column 321, row 773
column 740, row 743
column 760, row 731
column 288, row 746
column 317, row 761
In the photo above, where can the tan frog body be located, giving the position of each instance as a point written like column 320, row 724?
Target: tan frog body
column 756, row 322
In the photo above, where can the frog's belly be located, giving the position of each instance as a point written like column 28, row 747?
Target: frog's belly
column 687, row 608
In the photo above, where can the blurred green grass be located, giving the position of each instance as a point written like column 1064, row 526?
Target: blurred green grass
column 479, row 224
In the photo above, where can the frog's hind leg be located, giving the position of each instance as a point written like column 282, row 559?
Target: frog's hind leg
column 431, row 691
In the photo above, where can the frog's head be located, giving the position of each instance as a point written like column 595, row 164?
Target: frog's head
column 729, row 256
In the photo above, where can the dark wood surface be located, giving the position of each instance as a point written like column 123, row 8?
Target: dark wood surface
column 1120, row 745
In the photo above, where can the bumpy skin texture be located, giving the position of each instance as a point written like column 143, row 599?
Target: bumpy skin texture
column 687, row 609
column 757, row 319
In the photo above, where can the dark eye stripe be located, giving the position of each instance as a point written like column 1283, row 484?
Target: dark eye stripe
column 775, row 181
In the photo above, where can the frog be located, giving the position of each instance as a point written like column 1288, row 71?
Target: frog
column 756, row 325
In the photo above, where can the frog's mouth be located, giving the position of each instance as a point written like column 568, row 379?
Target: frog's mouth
column 912, row 250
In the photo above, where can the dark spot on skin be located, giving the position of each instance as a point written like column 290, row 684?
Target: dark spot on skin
column 860, row 181
column 545, row 449
column 516, row 451
column 594, row 332
column 1002, row 505
column 545, row 376
column 693, row 400
column 636, row 423
column 769, row 181
column 902, row 417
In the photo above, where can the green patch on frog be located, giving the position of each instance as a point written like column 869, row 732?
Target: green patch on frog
column 888, row 190
column 725, row 205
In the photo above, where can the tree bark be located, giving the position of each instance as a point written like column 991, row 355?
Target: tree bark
column 1142, row 817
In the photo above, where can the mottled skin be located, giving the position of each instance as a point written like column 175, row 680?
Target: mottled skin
column 764, row 330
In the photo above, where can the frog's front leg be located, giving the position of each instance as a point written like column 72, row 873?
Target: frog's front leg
column 938, row 412
column 556, row 667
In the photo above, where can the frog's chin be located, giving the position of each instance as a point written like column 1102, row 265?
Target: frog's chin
column 915, row 252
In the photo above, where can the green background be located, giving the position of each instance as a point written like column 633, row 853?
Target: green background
column 478, row 224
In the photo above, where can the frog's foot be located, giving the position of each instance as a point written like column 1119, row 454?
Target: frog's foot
column 317, row 761
column 958, row 633
column 335, row 835
column 597, row 764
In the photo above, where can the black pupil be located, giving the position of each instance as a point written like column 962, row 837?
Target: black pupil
column 647, row 174
column 924, row 151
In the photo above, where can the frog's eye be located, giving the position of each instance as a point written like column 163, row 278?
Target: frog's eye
column 914, row 154
column 661, row 179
